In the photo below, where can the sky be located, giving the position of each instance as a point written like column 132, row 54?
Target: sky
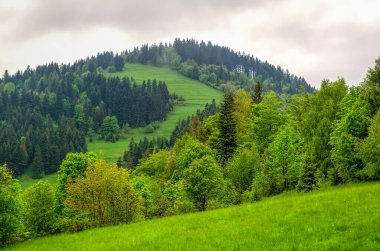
column 319, row 39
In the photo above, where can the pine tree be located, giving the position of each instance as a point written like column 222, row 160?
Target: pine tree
column 37, row 164
column 257, row 96
column 227, row 126
column 308, row 179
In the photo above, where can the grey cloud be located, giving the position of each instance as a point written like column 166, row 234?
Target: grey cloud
column 344, row 49
column 134, row 16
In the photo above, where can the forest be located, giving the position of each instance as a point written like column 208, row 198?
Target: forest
column 46, row 113
column 255, row 144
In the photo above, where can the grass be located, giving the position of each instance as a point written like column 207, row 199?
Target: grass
column 27, row 181
column 195, row 93
column 336, row 218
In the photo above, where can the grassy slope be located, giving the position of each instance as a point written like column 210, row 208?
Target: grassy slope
column 337, row 218
column 195, row 93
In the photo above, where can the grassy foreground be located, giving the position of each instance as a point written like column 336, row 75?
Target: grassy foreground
column 337, row 218
column 195, row 93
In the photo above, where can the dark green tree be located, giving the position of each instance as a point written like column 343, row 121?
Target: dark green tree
column 258, row 93
column 307, row 180
column 227, row 126
column 37, row 165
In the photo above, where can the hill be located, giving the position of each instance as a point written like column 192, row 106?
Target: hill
column 335, row 218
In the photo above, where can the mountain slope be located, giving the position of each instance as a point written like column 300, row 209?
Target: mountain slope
column 337, row 218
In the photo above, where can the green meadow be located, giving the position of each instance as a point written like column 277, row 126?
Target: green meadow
column 334, row 218
column 195, row 93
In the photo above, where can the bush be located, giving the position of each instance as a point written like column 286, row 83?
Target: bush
column 38, row 214
column 104, row 196
column 149, row 129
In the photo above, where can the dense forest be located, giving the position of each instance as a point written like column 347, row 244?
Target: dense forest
column 47, row 112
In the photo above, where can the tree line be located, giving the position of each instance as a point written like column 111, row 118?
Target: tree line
column 218, row 66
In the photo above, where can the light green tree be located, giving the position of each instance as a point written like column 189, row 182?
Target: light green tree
column 11, row 227
column 267, row 118
column 286, row 157
column 203, row 181
column 110, row 129
column 369, row 150
column 345, row 139
column 242, row 168
column 73, row 166
column 38, row 213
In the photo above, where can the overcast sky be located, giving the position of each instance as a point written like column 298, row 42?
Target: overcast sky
column 314, row 39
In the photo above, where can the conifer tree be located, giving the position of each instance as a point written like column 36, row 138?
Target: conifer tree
column 257, row 96
column 227, row 126
column 37, row 164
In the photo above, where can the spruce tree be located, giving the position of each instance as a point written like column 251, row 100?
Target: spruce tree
column 257, row 96
column 227, row 126
column 37, row 164
column 308, row 179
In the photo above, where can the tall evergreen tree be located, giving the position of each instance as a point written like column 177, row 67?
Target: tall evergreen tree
column 37, row 164
column 227, row 126
column 258, row 93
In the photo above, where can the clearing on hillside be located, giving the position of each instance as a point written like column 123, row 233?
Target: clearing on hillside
column 195, row 93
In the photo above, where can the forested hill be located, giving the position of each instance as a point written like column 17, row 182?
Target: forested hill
column 46, row 113
column 219, row 66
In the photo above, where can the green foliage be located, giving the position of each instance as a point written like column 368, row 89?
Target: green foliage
column 317, row 119
column 159, row 165
column 175, row 199
column 11, row 227
column 346, row 137
column 369, row 150
column 307, row 180
column 9, row 87
column 371, row 87
column 37, row 165
column 73, row 166
column 149, row 129
column 203, row 181
column 267, row 119
column 103, row 196
column 38, row 213
column 110, row 129
column 242, row 109
column 143, row 185
column 188, row 149
column 242, row 168
column 286, row 157
column 227, row 130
